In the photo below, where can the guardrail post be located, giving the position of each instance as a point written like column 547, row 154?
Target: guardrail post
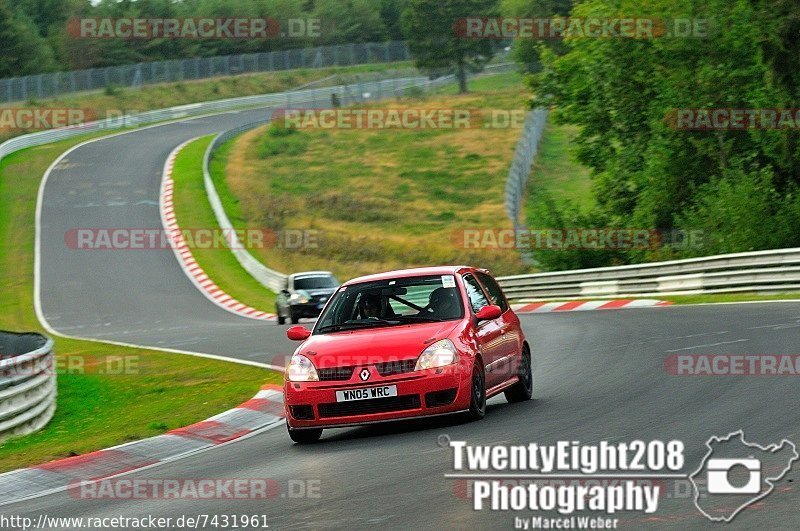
column 27, row 383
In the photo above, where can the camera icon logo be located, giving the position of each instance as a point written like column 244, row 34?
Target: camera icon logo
column 719, row 472
column 735, row 474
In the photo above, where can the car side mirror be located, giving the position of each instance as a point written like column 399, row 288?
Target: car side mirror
column 487, row 313
column 298, row 333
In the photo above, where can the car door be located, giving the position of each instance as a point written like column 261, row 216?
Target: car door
column 508, row 322
column 489, row 333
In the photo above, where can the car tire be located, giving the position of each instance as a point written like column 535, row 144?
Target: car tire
column 281, row 319
column 305, row 436
column 294, row 318
column 523, row 389
column 477, row 403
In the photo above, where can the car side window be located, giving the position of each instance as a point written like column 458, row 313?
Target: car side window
column 477, row 299
column 495, row 293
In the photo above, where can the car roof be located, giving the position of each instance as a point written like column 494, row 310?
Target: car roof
column 414, row 272
column 311, row 274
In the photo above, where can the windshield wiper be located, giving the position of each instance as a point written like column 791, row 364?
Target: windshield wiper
column 359, row 324
column 420, row 319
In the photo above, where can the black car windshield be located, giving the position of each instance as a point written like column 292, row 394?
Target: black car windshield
column 391, row 303
column 315, row 282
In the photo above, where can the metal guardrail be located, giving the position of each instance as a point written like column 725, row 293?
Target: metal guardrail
column 280, row 99
column 269, row 278
column 27, row 383
column 774, row 271
column 521, row 166
column 527, row 148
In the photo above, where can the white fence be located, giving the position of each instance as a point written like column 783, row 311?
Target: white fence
column 776, row 271
column 27, row 383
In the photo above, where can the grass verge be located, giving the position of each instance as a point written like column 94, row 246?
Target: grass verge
column 193, row 210
column 556, row 172
column 159, row 391
column 729, row 297
column 378, row 199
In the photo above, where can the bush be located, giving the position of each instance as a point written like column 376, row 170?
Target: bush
column 742, row 211
column 282, row 140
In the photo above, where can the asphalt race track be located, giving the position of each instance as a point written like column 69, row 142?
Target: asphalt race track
column 599, row 375
column 139, row 296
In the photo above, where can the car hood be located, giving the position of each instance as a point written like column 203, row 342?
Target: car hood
column 377, row 345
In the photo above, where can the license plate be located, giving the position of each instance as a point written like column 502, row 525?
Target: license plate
column 366, row 394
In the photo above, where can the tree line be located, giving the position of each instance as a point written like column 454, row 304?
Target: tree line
column 36, row 33
column 655, row 162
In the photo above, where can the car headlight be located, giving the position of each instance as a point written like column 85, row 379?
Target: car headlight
column 439, row 354
column 301, row 369
column 299, row 297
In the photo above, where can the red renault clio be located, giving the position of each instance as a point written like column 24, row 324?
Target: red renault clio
column 411, row 343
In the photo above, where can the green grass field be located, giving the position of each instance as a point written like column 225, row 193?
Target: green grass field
column 160, row 392
column 193, row 210
column 379, row 199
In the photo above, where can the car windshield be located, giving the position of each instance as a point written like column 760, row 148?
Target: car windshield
column 391, row 303
column 315, row 282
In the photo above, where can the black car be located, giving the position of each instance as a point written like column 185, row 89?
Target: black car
column 305, row 295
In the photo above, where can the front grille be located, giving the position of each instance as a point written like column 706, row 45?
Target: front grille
column 336, row 374
column 302, row 412
column 365, row 407
column 396, row 367
column 440, row 398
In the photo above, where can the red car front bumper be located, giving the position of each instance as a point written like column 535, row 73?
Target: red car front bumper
column 421, row 393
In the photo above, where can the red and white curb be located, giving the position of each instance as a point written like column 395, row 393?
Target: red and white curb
column 184, row 254
column 262, row 411
column 582, row 306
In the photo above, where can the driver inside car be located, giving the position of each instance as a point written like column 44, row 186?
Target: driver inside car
column 369, row 306
column 443, row 304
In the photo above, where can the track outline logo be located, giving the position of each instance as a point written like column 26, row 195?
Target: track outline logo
column 769, row 480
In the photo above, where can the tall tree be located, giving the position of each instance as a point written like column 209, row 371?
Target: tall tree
column 24, row 50
column 434, row 41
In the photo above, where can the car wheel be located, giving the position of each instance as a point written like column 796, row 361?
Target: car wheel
column 523, row 389
column 281, row 319
column 477, row 405
column 305, row 436
column 294, row 318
